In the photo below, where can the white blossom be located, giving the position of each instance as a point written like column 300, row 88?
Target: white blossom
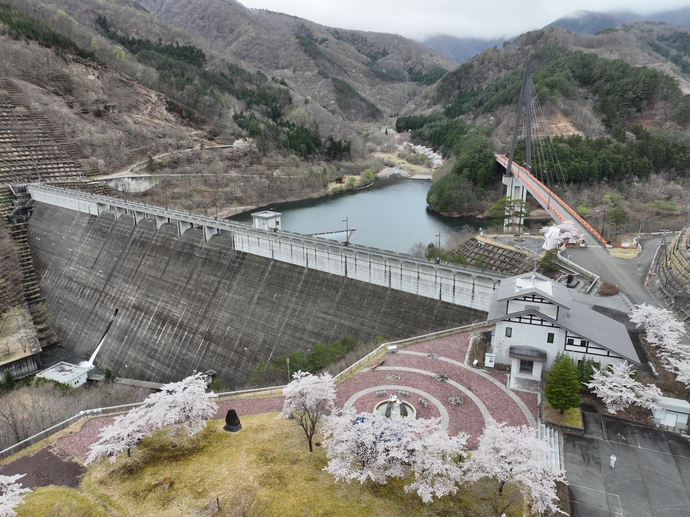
column 562, row 232
column 11, row 494
column 517, row 455
column 371, row 447
column 616, row 387
column 185, row 403
column 435, row 158
column 307, row 399
column 665, row 332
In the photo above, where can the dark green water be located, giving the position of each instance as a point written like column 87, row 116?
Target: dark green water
column 391, row 215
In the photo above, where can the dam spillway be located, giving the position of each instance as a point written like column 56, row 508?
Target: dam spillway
column 195, row 300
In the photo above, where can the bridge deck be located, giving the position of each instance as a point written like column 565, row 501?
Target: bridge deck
column 554, row 205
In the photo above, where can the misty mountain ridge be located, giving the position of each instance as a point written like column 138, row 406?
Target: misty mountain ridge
column 583, row 22
column 230, row 71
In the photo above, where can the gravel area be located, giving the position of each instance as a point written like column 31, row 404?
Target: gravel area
column 46, row 467
column 464, row 418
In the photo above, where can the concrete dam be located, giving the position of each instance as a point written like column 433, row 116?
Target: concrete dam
column 194, row 293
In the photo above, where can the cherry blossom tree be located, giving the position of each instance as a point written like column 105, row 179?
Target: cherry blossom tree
column 124, row 433
column 11, row 494
column 665, row 332
column 307, row 399
column 437, row 459
column 183, row 405
column 516, row 455
column 662, row 328
column 617, row 388
column 370, row 447
column 365, row 447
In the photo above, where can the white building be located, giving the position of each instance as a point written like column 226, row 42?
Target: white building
column 267, row 220
column 66, row 373
column 536, row 319
column 672, row 413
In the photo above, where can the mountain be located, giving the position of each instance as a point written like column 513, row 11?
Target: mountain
column 586, row 22
column 680, row 17
column 583, row 22
column 460, row 49
column 385, row 69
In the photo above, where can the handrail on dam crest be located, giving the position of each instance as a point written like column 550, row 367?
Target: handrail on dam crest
column 460, row 285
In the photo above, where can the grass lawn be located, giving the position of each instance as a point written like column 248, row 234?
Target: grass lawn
column 571, row 417
column 267, row 461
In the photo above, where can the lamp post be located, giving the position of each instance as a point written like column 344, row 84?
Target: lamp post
column 275, row 219
column 438, row 249
column 347, row 231
column 288, row 367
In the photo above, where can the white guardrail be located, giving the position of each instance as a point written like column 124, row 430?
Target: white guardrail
column 262, row 392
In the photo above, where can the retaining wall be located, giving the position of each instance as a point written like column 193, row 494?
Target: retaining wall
column 674, row 275
column 191, row 300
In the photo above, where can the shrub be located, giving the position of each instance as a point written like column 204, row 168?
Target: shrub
column 607, row 289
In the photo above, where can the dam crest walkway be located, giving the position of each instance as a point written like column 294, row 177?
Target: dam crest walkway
column 465, row 286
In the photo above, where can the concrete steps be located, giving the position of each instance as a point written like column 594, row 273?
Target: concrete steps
column 553, row 438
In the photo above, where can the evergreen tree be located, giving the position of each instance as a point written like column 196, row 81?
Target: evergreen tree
column 562, row 384
column 585, row 372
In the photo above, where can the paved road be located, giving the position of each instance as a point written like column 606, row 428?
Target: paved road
column 651, row 477
column 628, row 275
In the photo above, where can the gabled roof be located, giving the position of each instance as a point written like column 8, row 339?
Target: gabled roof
column 573, row 316
column 533, row 283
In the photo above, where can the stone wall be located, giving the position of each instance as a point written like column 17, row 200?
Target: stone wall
column 674, row 275
column 188, row 302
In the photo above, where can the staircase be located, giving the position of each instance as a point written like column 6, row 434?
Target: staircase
column 553, row 438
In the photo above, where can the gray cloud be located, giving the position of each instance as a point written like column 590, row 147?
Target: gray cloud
column 462, row 18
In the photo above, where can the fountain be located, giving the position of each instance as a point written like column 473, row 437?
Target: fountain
column 395, row 408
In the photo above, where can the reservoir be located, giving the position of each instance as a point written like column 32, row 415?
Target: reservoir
column 390, row 215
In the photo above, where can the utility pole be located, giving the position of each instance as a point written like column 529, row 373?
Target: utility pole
column 438, row 249
column 347, row 231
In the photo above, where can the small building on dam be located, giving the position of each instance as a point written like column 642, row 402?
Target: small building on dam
column 195, row 293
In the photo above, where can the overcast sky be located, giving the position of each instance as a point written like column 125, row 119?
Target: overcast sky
column 419, row 19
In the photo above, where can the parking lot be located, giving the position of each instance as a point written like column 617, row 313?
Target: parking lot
column 651, row 476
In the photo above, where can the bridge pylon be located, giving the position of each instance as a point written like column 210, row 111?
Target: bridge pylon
column 515, row 190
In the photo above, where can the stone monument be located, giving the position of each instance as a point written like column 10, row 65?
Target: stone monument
column 232, row 422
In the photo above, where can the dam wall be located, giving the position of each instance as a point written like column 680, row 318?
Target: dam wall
column 466, row 286
column 192, row 298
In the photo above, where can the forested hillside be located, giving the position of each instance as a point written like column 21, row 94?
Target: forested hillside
column 626, row 122
column 317, row 100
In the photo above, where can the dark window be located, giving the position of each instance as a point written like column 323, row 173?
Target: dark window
column 549, row 337
column 509, row 331
column 570, row 340
column 582, row 341
column 526, row 366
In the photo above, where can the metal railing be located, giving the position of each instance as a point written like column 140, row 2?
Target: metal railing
column 504, row 161
column 382, row 349
column 229, row 395
column 230, row 226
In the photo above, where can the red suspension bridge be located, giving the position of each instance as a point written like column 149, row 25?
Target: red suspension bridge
column 519, row 180
column 554, row 205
